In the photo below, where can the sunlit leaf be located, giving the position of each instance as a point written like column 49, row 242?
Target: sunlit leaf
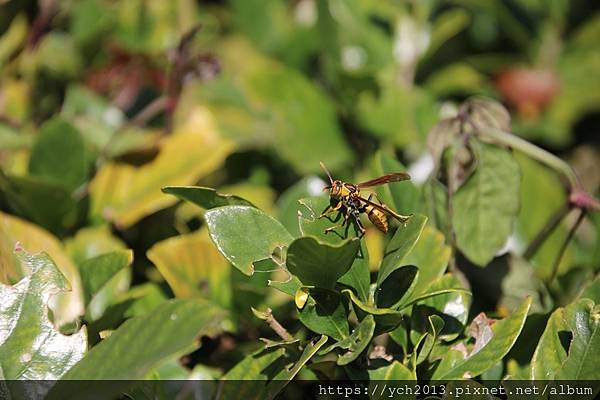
column 193, row 267
column 244, row 234
column 204, row 197
column 30, row 345
column 18, row 233
column 124, row 194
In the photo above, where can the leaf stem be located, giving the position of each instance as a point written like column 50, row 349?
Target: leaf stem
column 534, row 152
column 566, row 242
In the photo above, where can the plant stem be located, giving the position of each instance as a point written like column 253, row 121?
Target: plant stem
column 534, row 152
column 545, row 232
column 276, row 326
column 563, row 248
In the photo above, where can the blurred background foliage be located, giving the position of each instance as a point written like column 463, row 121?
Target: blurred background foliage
column 103, row 103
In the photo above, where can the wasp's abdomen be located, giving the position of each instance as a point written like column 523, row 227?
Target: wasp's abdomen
column 377, row 218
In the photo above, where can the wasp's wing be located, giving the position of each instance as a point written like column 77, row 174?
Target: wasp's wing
column 383, row 208
column 395, row 177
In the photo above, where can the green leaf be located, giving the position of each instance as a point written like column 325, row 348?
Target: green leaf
column 506, row 331
column 386, row 319
column 287, row 204
column 394, row 371
column 551, row 360
column 357, row 342
column 266, row 372
column 205, row 197
column 96, row 272
column 551, row 350
column 435, row 326
column 91, row 242
column 30, row 346
column 396, row 286
column 289, row 372
column 400, row 245
column 452, row 307
column 358, row 276
column 262, row 102
column 311, row 225
column 592, row 291
column 59, row 155
column 404, row 196
column 23, row 193
column 245, row 234
column 431, row 255
column 326, row 312
column 486, row 205
column 520, row 282
column 319, row 264
column 141, row 344
column 193, row 267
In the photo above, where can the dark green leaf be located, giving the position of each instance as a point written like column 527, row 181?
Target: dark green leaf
column 386, row 319
column 435, row 326
column 318, row 264
column 30, row 346
column 326, row 312
column 205, row 197
column 506, row 331
column 401, row 244
column 23, row 194
column 245, row 234
column 396, row 286
column 486, row 205
column 59, row 155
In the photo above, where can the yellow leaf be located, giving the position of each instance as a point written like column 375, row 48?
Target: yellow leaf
column 193, row 267
column 16, row 232
column 124, row 194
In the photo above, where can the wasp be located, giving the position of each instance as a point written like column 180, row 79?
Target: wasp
column 345, row 198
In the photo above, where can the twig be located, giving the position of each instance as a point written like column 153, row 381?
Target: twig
column 563, row 248
column 268, row 317
column 545, row 232
column 157, row 106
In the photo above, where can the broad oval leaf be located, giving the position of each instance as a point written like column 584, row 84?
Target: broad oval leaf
column 30, row 346
column 326, row 312
column 400, row 245
column 59, row 155
column 309, row 210
column 505, row 331
column 245, row 234
column 319, row 264
column 205, row 197
column 486, row 205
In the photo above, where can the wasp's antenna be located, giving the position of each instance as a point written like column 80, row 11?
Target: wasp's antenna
column 327, row 172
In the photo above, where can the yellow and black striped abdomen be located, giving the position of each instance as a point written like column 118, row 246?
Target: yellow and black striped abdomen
column 377, row 218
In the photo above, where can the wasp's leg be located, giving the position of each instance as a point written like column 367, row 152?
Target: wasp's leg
column 360, row 226
column 329, row 210
column 403, row 218
column 333, row 228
